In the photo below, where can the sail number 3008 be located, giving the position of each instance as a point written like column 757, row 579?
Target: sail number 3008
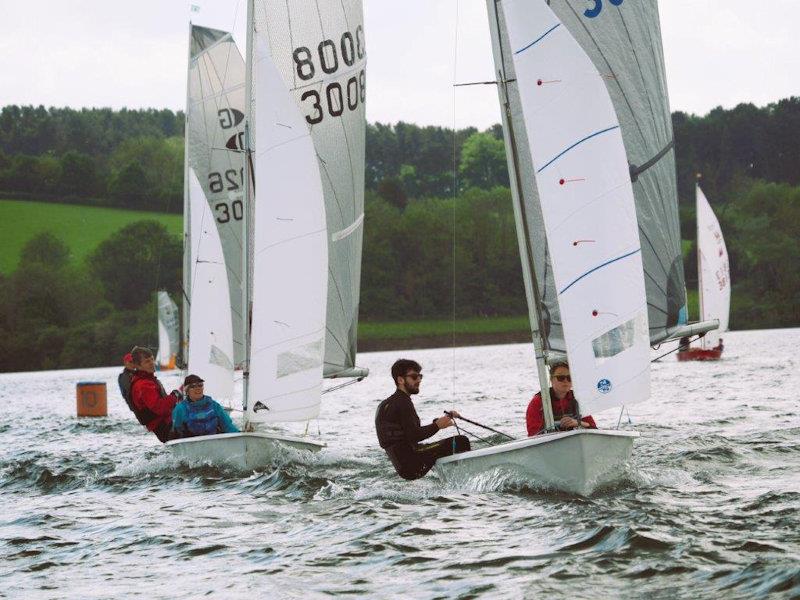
column 335, row 96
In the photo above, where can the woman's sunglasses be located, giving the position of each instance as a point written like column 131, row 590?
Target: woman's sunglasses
column 563, row 378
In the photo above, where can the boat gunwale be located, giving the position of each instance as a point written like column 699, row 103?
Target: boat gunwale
column 246, row 434
column 533, row 441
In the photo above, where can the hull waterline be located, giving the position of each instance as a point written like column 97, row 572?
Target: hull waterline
column 699, row 354
column 577, row 462
column 245, row 451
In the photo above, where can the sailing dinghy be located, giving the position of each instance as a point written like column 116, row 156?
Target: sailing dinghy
column 589, row 144
column 302, row 222
column 714, row 282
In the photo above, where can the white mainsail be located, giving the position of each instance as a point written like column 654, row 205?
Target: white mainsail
column 215, row 110
column 623, row 41
column 168, row 336
column 713, row 271
column 587, row 204
column 319, row 50
column 290, row 255
column 307, row 123
column 211, row 341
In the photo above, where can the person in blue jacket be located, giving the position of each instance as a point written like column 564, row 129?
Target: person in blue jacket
column 198, row 414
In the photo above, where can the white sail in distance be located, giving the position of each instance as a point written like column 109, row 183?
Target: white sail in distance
column 587, row 205
column 215, row 141
column 319, row 50
column 168, row 331
column 714, row 276
column 211, row 340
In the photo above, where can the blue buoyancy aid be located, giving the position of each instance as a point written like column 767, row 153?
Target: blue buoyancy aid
column 201, row 417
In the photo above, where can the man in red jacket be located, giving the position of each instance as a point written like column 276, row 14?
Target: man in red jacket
column 151, row 404
column 566, row 412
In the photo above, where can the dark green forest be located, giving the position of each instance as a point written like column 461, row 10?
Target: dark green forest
column 420, row 216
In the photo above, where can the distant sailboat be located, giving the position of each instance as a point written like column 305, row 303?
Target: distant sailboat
column 304, row 193
column 714, row 282
column 168, row 336
column 588, row 137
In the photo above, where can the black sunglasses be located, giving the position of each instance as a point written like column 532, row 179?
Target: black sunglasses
column 563, row 378
column 415, row 376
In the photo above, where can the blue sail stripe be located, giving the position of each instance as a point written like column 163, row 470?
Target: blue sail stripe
column 539, row 39
column 589, row 272
column 579, row 142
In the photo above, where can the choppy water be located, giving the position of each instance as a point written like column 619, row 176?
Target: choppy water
column 95, row 508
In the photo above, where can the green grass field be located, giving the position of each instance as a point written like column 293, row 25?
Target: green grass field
column 82, row 228
column 406, row 329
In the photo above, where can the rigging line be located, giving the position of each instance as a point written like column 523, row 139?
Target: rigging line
column 677, row 348
column 476, row 436
column 342, row 385
column 455, row 199
column 478, row 83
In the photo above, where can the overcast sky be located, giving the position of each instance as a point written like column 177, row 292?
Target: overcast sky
column 133, row 53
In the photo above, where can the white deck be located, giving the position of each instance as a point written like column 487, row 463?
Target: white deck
column 578, row 461
column 245, row 451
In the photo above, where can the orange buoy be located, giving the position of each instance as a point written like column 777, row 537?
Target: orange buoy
column 91, row 396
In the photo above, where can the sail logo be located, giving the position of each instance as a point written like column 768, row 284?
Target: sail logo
column 236, row 141
column 229, row 117
column 604, row 386
column 598, row 8
column 259, row 406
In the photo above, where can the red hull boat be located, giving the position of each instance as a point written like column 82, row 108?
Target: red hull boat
column 700, row 354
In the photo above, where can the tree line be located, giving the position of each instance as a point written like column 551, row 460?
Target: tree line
column 134, row 158
column 436, row 242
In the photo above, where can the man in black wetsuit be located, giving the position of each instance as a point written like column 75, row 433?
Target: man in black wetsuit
column 399, row 430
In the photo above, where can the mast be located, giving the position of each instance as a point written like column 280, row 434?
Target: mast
column 526, row 253
column 187, row 239
column 247, row 213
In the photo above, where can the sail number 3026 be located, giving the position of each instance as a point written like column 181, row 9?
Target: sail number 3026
column 335, row 96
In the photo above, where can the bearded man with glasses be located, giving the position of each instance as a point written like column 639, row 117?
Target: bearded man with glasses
column 566, row 412
column 400, row 431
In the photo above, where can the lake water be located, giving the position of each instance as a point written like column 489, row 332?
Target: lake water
column 96, row 508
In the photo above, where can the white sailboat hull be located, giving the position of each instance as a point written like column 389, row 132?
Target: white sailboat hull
column 245, row 451
column 578, row 462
